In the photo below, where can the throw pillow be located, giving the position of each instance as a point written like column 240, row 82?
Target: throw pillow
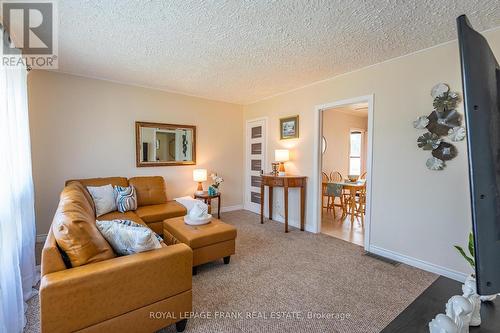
column 131, row 223
column 104, row 199
column 126, row 199
column 127, row 238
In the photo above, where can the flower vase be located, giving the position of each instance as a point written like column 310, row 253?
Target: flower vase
column 212, row 190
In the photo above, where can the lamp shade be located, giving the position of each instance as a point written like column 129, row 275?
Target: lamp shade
column 281, row 155
column 200, row 175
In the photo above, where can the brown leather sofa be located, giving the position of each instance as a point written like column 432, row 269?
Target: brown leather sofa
column 101, row 292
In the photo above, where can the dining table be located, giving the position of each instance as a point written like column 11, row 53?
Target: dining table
column 353, row 188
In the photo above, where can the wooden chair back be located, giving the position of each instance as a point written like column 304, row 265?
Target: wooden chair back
column 324, row 177
column 336, row 176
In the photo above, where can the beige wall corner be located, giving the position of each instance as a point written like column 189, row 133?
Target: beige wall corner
column 84, row 127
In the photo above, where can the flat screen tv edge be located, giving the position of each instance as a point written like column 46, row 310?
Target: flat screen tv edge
column 481, row 87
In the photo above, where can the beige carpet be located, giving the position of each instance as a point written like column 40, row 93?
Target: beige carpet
column 291, row 276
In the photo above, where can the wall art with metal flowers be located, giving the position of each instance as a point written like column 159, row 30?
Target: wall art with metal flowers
column 443, row 123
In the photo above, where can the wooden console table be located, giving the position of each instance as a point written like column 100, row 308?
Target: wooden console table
column 285, row 182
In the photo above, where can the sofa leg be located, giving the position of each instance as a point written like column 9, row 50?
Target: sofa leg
column 195, row 270
column 180, row 326
column 227, row 259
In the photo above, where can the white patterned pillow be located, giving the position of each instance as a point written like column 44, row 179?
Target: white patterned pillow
column 127, row 237
column 126, row 199
column 104, row 199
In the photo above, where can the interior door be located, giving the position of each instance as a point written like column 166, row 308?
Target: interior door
column 256, row 138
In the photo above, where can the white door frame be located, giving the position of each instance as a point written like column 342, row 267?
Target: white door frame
column 318, row 161
column 246, row 180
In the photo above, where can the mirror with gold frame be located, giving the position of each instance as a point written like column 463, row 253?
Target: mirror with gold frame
column 159, row 144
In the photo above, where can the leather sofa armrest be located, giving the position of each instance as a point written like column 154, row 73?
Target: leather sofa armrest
column 82, row 296
column 51, row 257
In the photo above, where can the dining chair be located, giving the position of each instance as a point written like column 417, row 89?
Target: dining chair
column 363, row 175
column 336, row 192
column 324, row 182
column 361, row 205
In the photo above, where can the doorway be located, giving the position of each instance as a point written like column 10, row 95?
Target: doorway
column 343, row 161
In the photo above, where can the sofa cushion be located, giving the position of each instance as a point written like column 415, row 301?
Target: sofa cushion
column 116, row 215
column 75, row 230
column 156, row 227
column 149, row 190
column 158, row 213
column 197, row 236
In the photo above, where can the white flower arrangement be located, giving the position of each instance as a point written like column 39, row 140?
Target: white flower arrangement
column 216, row 179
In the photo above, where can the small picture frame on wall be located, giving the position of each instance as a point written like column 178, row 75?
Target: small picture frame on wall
column 289, row 128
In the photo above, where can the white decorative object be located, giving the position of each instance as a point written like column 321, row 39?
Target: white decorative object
column 456, row 133
column 439, row 90
column 421, row 122
column 488, row 298
column 469, row 291
column 187, row 202
column 434, row 163
column 198, row 214
column 442, row 324
column 104, row 198
column 459, row 309
column 202, row 221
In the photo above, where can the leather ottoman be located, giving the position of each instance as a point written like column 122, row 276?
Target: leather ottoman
column 209, row 242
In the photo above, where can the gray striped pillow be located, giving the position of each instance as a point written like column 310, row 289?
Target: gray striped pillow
column 126, row 199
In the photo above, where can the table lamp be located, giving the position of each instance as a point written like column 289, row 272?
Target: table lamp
column 199, row 175
column 281, row 156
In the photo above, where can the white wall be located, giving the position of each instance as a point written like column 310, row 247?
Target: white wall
column 84, row 128
column 417, row 214
column 336, row 130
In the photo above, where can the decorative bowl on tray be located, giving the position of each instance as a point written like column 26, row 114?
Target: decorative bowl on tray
column 352, row 178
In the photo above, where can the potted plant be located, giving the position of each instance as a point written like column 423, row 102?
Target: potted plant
column 471, row 261
column 214, row 188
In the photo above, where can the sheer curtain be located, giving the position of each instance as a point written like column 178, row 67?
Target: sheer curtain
column 17, row 217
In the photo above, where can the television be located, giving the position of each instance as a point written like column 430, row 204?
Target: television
column 481, row 90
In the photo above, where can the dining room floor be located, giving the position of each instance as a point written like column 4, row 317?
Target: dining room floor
column 342, row 229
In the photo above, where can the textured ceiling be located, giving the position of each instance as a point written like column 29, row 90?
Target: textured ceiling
column 242, row 51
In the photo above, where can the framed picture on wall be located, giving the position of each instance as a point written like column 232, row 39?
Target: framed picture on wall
column 289, row 128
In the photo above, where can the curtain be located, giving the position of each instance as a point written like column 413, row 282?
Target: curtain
column 17, row 216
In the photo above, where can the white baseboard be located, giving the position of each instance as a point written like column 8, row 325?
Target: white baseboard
column 230, row 208
column 426, row 266
column 41, row 238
